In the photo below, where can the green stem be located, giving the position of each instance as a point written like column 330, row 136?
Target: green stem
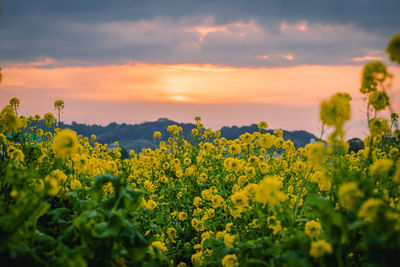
column 300, row 194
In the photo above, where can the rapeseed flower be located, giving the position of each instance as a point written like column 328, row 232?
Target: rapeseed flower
column 65, row 143
column 182, row 216
column 159, row 245
column 379, row 126
column 348, row 195
column 336, row 111
column 230, row 260
column 320, row 248
column 9, row 120
column 380, row 168
column 269, row 191
column 240, row 199
column 369, row 209
column 313, row 228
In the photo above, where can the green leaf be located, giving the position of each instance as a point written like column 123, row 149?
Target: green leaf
column 132, row 199
column 99, row 181
column 112, row 228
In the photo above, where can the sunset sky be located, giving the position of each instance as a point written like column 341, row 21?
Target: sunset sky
column 230, row 62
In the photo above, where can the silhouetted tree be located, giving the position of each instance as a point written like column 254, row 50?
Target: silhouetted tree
column 355, row 144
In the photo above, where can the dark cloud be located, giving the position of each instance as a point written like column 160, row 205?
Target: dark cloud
column 104, row 32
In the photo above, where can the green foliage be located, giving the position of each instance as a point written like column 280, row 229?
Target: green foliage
column 64, row 228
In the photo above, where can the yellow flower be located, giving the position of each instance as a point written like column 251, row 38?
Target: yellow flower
column 269, row 191
column 59, row 176
column 336, row 111
column 275, row 226
column 65, row 143
column 149, row 186
column 235, row 149
column 157, row 135
column 379, row 100
column 179, row 173
column 230, row 261
column 240, row 199
column 197, row 201
column 217, row 201
column 380, row 168
column 205, row 236
column 195, row 132
column 198, row 225
column 8, row 117
column 250, row 171
column 197, row 258
column 164, row 179
column 262, row 125
column 150, row 204
column 313, row 228
column 209, row 214
column 51, row 185
column 267, row 141
column 246, row 138
column 228, row 227
column 242, row 180
column 49, row 119
column 393, row 48
column 229, row 240
column 320, row 248
column 13, row 193
column 171, row 233
column 165, row 165
column 75, row 183
column 159, row 245
column 369, row 209
column 39, row 133
column 315, row 153
column 379, row 126
column 251, row 190
column 187, row 161
column 264, row 168
column 348, row 194
column 182, row 216
column 374, row 74
column 278, row 133
column 202, row 179
column 15, row 154
column 234, row 164
column 189, row 171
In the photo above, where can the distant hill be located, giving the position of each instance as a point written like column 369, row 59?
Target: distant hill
column 140, row 136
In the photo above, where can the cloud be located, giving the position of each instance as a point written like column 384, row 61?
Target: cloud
column 214, row 32
column 367, row 58
column 45, row 62
column 371, row 56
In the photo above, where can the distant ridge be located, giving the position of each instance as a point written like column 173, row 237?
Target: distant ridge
column 138, row 136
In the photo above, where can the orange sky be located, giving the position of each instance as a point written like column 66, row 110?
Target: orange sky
column 185, row 91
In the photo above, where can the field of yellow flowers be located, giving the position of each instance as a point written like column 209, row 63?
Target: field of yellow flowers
column 67, row 200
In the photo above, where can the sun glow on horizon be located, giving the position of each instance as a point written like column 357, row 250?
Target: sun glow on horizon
column 298, row 86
